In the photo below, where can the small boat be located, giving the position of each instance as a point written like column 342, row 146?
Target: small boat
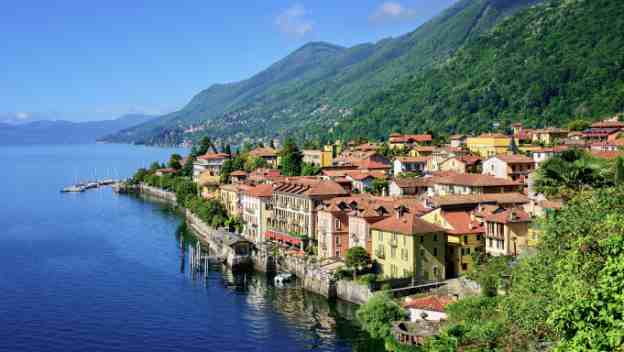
column 73, row 189
column 281, row 279
column 91, row 185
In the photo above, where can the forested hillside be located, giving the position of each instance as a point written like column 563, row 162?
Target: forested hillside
column 544, row 66
column 320, row 83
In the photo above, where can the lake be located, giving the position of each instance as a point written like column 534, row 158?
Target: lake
column 98, row 271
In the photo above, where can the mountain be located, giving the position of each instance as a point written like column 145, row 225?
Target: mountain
column 321, row 82
column 66, row 132
column 545, row 66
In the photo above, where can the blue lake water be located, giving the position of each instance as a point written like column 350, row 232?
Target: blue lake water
column 101, row 272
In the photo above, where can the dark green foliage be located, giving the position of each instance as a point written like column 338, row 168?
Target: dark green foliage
column 545, row 66
column 492, row 274
column 564, row 175
column 253, row 163
column 231, row 165
column 204, row 145
column 619, row 171
column 378, row 314
column 187, row 168
column 139, row 176
column 357, row 258
column 579, row 125
column 174, row 161
column 378, row 186
column 185, row 191
column 569, row 294
column 309, row 169
column 291, row 159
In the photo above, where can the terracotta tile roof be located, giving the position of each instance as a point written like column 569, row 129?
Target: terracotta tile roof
column 424, row 149
column 413, row 182
column 614, row 154
column 413, row 160
column 458, row 136
column 263, row 152
column 493, row 135
column 600, row 132
column 167, row 170
column 474, row 180
column 507, row 216
column 432, row 303
column 367, row 147
column 551, row 204
column 410, row 138
column 608, row 124
column 515, row 159
column 556, row 149
column 552, row 130
column 371, row 165
column 408, row 224
column 468, row 160
column 214, row 156
column 362, row 175
column 260, row 191
column 475, row 199
column 309, row 186
column 462, row 223
column 238, row 173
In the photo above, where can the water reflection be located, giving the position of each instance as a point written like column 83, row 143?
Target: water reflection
column 319, row 323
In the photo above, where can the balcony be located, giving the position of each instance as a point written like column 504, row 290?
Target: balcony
column 394, row 242
column 380, row 253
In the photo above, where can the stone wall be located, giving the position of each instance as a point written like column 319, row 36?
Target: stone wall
column 353, row 292
column 158, row 193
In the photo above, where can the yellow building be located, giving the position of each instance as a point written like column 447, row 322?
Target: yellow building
column 322, row 158
column 489, row 144
column 405, row 246
column 229, row 195
column 465, row 236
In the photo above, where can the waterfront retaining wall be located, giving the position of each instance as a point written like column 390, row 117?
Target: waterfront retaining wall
column 307, row 269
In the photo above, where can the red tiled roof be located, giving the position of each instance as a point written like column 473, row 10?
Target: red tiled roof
column 410, row 138
column 408, row 224
column 432, row 303
column 468, row 160
column 413, row 160
column 515, row 159
column 507, row 216
column 263, row 152
column 214, row 156
column 608, row 124
column 310, row 186
column 167, row 170
column 238, row 173
column 474, row 199
column 413, row 182
column 372, row 165
column 462, row 223
column 260, row 191
column 613, row 154
column 424, row 149
column 362, row 175
column 475, row 180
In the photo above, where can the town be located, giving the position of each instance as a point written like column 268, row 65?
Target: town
column 407, row 213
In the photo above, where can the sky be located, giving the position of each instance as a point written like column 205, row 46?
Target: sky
column 93, row 60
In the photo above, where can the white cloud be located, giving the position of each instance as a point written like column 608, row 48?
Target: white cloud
column 22, row 116
column 292, row 21
column 391, row 11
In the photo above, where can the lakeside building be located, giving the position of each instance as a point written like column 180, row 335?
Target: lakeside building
column 488, row 144
column 542, row 154
column 444, row 183
column 462, row 165
column 256, row 209
column 406, row 246
column 267, row 154
column 511, row 167
column 506, row 230
column 407, row 164
column 550, row 135
column 210, row 163
column 294, row 207
column 230, row 197
column 465, row 236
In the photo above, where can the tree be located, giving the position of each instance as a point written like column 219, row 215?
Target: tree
column 204, row 146
column 139, row 176
column 579, row 125
column 154, row 166
column 357, row 258
column 272, row 144
column 174, row 161
column 227, row 149
column 291, row 159
column 187, row 168
column 309, row 169
column 185, row 191
column 378, row 314
column 619, row 171
column 253, row 163
column 378, row 186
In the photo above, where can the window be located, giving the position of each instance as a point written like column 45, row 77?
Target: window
column 465, row 239
column 337, row 253
column 393, row 252
column 464, row 266
column 435, row 272
column 435, row 252
column 337, row 224
column 435, row 238
column 491, row 243
column 337, row 241
column 478, row 237
column 422, row 239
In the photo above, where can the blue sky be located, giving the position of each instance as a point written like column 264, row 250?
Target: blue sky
column 86, row 60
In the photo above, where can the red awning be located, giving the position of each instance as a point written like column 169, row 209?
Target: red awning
column 279, row 236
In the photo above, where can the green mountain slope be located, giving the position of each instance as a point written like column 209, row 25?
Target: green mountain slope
column 544, row 66
column 320, row 83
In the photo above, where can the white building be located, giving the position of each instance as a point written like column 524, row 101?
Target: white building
column 255, row 205
column 511, row 167
column 209, row 162
column 406, row 164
